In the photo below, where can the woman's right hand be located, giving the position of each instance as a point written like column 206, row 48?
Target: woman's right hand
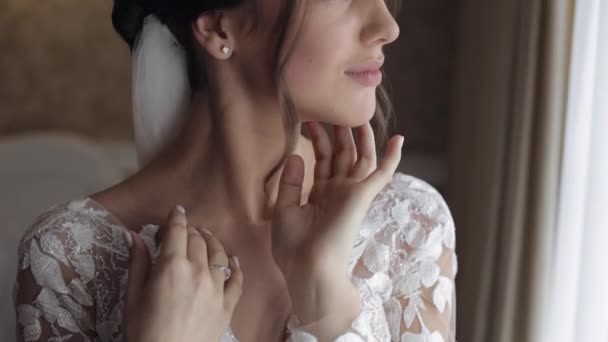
column 179, row 298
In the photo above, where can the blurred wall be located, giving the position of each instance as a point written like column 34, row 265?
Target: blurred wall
column 63, row 69
column 420, row 65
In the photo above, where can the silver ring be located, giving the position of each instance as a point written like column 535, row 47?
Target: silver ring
column 226, row 269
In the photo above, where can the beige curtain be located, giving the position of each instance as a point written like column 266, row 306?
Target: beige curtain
column 505, row 152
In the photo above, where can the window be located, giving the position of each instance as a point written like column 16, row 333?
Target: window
column 579, row 296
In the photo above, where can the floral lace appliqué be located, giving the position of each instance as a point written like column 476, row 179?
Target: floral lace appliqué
column 73, row 275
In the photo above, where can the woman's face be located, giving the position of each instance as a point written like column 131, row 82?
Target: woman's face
column 331, row 43
column 339, row 40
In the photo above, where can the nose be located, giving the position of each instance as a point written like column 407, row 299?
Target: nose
column 381, row 27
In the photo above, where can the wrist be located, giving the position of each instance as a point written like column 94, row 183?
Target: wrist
column 325, row 330
column 317, row 291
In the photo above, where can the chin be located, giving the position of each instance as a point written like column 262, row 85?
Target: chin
column 345, row 114
column 355, row 118
column 362, row 114
column 358, row 115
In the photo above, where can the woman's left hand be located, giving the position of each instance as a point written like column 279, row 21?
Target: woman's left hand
column 317, row 238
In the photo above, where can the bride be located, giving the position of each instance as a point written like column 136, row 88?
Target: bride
column 237, row 227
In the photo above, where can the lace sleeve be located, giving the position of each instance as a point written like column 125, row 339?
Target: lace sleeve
column 50, row 298
column 73, row 274
column 408, row 293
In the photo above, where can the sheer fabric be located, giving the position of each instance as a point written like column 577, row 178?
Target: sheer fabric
column 73, row 268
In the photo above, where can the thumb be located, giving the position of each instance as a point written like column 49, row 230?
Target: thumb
column 139, row 265
column 290, row 186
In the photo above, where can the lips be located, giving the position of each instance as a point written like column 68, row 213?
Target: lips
column 368, row 78
column 371, row 65
column 367, row 73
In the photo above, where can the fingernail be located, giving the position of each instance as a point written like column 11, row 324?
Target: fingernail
column 128, row 238
column 401, row 141
column 236, row 261
column 206, row 231
column 181, row 209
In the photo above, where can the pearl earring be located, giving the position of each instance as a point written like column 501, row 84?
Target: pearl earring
column 225, row 50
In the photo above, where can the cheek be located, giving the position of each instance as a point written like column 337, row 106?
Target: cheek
column 321, row 91
column 310, row 64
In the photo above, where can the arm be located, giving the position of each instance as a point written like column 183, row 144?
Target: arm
column 323, row 304
column 410, row 265
column 50, row 299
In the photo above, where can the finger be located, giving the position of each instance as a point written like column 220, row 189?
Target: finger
column 234, row 286
column 174, row 240
column 366, row 152
column 139, row 265
column 323, row 150
column 385, row 171
column 197, row 248
column 345, row 154
column 216, row 256
column 290, row 185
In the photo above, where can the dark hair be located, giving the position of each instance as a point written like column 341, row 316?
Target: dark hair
column 128, row 17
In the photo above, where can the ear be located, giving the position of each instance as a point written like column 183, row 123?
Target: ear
column 214, row 31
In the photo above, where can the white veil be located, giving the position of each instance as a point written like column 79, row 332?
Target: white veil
column 161, row 91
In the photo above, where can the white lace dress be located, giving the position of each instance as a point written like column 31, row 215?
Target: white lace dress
column 73, row 264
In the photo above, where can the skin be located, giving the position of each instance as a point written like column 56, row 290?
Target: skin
column 218, row 166
column 312, row 243
column 166, row 302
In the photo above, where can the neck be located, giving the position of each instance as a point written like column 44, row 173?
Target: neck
column 221, row 166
